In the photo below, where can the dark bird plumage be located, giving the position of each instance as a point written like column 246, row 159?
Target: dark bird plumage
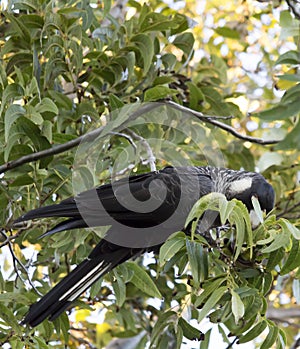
column 142, row 211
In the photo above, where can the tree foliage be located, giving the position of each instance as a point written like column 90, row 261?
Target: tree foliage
column 71, row 67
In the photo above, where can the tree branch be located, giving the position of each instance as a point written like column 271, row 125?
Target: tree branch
column 57, row 149
column 211, row 120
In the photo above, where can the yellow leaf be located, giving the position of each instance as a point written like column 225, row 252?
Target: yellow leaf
column 82, row 314
column 102, row 328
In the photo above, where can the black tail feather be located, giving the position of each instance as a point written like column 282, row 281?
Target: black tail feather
column 66, row 225
column 66, row 208
column 73, row 285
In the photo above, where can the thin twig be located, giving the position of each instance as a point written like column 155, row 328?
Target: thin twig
column 288, row 210
column 17, row 262
column 151, row 158
column 230, row 345
column 83, row 341
column 126, row 136
column 10, row 238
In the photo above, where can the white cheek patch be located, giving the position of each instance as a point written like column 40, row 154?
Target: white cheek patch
column 240, row 185
column 255, row 221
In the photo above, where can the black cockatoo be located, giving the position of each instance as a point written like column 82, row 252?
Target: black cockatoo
column 142, row 212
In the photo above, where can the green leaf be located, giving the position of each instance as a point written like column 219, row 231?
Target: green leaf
column 226, row 208
column 237, row 306
column 19, row 150
column 179, row 337
column 289, row 25
column 274, row 259
column 209, row 286
column 185, row 42
column 238, row 220
column 47, row 130
column 227, row 32
column 10, row 93
column 242, row 211
column 47, row 105
column 34, row 133
column 145, row 45
column 271, row 336
column 289, row 77
column 25, row 5
column 253, row 333
column 21, row 29
column 115, row 102
column 143, row 281
column 208, row 202
column 289, row 57
column 157, row 22
column 288, row 106
column 257, row 209
column 292, row 139
column 280, row 240
column 197, row 256
column 119, row 289
column 288, row 227
column 24, row 179
column 12, row 113
column 169, row 60
column 10, row 319
column 211, row 302
column 158, row 92
column 31, row 21
column 13, row 138
column 170, row 248
column 13, row 297
column 282, row 340
column 293, row 260
column 84, row 179
column 163, row 321
column 20, row 60
column 189, row 331
column 205, row 343
column 196, row 96
column 65, row 326
column 61, row 100
column 41, row 344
